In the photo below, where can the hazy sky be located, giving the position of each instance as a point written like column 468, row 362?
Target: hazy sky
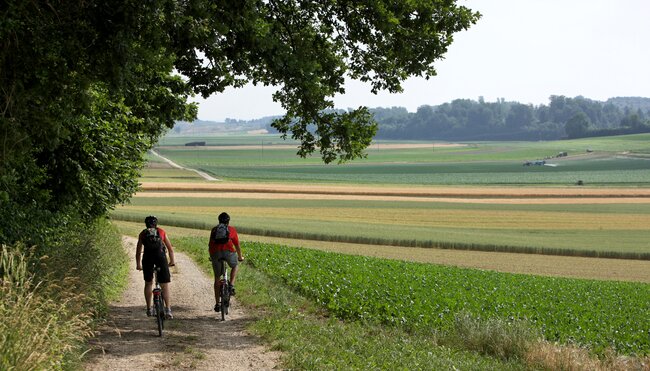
column 520, row 50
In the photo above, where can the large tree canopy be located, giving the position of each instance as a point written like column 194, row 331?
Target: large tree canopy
column 88, row 86
column 307, row 48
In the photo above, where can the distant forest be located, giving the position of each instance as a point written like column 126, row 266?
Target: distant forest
column 465, row 119
column 563, row 117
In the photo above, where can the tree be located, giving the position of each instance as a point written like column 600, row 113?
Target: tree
column 632, row 122
column 84, row 82
column 309, row 47
column 520, row 115
column 577, row 125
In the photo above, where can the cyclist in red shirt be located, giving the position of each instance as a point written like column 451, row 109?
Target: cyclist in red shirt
column 230, row 251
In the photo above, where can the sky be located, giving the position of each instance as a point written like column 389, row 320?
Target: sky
column 520, row 50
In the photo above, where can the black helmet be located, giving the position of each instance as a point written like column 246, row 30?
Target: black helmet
column 224, row 218
column 151, row 221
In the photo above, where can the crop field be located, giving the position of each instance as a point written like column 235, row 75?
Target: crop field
column 620, row 161
column 593, row 229
column 401, row 208
column 153, row 174
column 593, row 314
column 224, row 140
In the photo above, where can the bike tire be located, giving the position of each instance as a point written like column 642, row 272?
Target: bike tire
column 160, row 317
column 225, row 300
column 224, row 307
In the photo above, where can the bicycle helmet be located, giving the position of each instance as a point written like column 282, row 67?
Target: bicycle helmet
column 224, row 218
column 151, row 221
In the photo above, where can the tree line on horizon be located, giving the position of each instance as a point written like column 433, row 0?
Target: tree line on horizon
column 466, row 119
column 563, row 117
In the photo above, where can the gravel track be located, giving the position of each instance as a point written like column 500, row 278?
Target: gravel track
column 195, row 339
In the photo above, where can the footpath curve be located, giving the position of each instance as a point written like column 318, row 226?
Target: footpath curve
column 171, row 163
column 196, row 338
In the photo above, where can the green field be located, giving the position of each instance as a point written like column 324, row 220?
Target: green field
column 618, row 161
column 415, row 296
column 224, row 140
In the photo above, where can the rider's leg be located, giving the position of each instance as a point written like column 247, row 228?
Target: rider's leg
column 233, row 274
column 217, row 289
column 165, row 294
column 217, row 269
column 148, row 293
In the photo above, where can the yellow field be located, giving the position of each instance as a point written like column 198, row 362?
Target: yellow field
column 443, row 218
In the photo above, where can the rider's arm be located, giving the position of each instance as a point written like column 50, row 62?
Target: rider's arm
column 170, row 249
column 240, row 257
column 138, row 254
column 235, row 242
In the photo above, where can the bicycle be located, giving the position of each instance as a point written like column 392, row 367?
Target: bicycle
column 224, row 290
column 158, row 302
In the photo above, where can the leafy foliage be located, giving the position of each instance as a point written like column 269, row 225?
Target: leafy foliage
column 596, row 314
column 87, row 87
column 308, row 48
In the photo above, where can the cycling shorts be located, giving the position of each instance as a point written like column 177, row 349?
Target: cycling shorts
column 217, row 266
column 160, row 260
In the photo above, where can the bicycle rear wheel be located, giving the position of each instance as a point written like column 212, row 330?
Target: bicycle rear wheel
column 160, row 317
column 225, row 298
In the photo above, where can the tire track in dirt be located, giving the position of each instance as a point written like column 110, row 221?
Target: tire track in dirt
column 196, row 338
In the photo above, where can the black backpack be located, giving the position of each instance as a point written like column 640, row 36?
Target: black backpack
column 152, row 241
column 220, row 234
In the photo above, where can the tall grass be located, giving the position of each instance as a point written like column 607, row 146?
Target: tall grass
column 41, row 321
column 494, row 336
column 51, row 296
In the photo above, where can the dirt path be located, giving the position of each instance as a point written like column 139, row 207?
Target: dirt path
column 194, row 339
column 171, row 163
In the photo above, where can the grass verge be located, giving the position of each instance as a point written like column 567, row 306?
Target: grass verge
column 51, row 297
